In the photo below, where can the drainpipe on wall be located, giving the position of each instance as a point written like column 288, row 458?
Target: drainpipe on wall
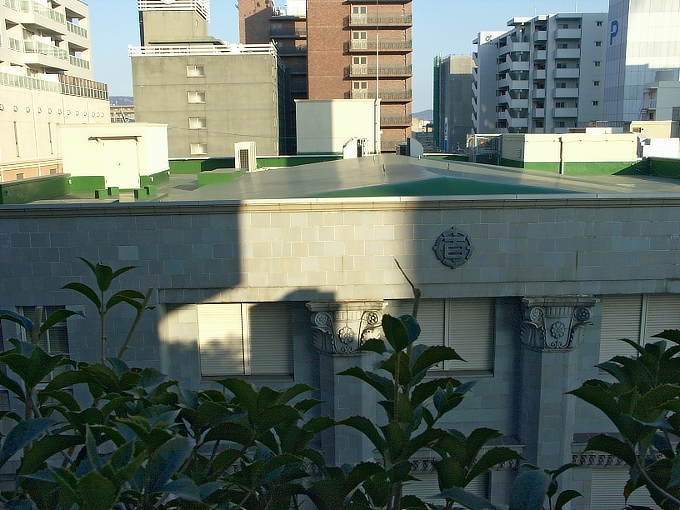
column 561, row 155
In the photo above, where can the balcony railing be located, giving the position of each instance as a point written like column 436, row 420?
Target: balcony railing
column 385, row 95
column 12, row 4
column 201, row 6
column 37, row 8
column 291, row 50
column 387, row 46
column 396, row 120
column 373, row 20
column 75, row 29
column 30, row 46
column 288, row 32
column 79, row 62
column 383, row 71
column 68, row 85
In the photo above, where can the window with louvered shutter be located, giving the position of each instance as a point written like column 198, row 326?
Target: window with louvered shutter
column 663, row 312
column 245, row 339
column 471, row 333
column 427, row 487
column 467, row 325
column 607, row 491
column 620, row 319
column 55, row 340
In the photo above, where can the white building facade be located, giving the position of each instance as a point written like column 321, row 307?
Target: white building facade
column 643, row 37
column 544, row 75
column 45, row 79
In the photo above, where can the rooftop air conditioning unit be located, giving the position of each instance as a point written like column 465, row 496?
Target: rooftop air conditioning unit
column 246, row 156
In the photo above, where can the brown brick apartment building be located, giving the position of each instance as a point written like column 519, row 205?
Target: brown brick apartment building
column 342, row 49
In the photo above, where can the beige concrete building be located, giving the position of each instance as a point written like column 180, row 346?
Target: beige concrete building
column 210, row 94
column 45, row 80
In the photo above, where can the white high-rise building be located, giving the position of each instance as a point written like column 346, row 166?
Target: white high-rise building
column 643, row 36
column 545, row 74
column 45, row 80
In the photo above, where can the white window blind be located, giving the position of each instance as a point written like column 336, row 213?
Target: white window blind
column 620, row 319
column 427, row 487
column 245, row 339
column 607, row 491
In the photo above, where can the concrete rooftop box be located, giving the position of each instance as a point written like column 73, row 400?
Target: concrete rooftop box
column 121, row 153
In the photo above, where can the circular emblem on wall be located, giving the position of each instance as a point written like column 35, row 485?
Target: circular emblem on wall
column 453, row 248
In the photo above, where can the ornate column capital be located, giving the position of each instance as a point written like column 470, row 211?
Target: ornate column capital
column 555, row 322
column 340, row 327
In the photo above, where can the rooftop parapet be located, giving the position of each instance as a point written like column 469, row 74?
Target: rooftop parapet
column 203, row 49
column 200, row 6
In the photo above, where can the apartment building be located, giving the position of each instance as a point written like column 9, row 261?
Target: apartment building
column 643, row 36
column 544, row 75
column 452, row 102
column 359, row 49
column 209, row 93
column 45, row 80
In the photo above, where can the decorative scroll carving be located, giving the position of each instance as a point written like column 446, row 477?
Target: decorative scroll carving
column 341, row 327
column 555, row 322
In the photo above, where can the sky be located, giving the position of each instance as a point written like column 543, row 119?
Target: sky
column 440, row 27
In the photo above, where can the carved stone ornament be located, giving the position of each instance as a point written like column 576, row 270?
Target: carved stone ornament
column 453, row 248
column 341, row 327
column 555, row 322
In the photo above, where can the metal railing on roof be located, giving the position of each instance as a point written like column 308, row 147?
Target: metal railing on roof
column 203, row 49
column 200, row 6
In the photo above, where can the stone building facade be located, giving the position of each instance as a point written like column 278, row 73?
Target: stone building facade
column 532, row 290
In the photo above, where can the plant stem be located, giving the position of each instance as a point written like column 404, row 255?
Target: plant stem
column 140, row 312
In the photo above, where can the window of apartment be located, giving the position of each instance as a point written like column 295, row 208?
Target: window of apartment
column 598, row 43
column 559, row 124
column 245, row 339
column 596, row 83
column 564, row 46
column 195, row 97
column 466, row 325
column 597, row 63
column 596, row 103
column 359, row 9
column 538, row 123
column 560, row 104
column 359, row 35
column 195, row 72
column 598, row 23
column 55, row 340
column 561, row 65
column 359, row 85
column 359, row 60
column 197, row 123
column 561, row 85
column 564, row 25
column 199, row 149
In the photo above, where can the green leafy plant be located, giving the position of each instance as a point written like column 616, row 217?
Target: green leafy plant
column 104, row 277
column 643, row 402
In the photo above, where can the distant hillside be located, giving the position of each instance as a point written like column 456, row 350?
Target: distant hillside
column 425, row 115
column 121, row 100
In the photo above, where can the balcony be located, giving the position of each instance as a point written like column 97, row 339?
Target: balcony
column 504, row 65
column 567, row 53
column 286, row 50
column 34, row 13
column 395, row 121
column 79, row 62
column 69, row 85
column 288, row 33
column 540, row 55
column 75, row 29
column 565, row 92
column 372, row 20
column 538, row 113
column 386, row 96
column 565, row 112
column 572, row 72
column 519, row 65
column 359, row 70
column 517, row 45
column 297, row 68
column 540, row 74
column 568, row 33
column 541, row 35
column 539, row 94
column 519, row 84
column 394, row 46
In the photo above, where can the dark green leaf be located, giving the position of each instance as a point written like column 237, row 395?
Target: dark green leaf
column 184, row 489
column 23, row 433
column 565, row 497
column 395, row 332
column 494, row 457
column 56, row 317
column 131, row 297
column 17, row 318
column 166, row 461
column 366, row 427
column 612, row 446
column 383, row 385
column 44, row 448
column 86, row 291
column 97, row 491
column 433, row 355
column 373, row 345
